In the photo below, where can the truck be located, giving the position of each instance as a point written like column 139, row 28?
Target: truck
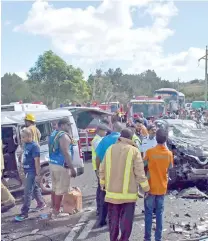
column 151, row 107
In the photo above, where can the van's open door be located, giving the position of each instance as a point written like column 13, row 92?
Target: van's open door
column 84, row 115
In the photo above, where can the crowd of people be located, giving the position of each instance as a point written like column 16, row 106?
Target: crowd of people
column 140, row 152
column 143, row 159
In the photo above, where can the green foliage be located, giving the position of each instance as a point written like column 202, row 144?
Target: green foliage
column 53, row 81
column 13, row 89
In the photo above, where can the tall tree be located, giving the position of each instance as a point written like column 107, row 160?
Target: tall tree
column 13, row 89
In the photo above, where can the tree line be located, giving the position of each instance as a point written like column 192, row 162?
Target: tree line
column 53, row 81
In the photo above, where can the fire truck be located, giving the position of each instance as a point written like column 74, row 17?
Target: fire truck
column 113, row 107
column 151, row 107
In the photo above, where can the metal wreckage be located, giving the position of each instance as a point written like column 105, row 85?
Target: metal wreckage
column 190, row 147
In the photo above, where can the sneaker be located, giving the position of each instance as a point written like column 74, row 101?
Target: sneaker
column 38, row 208
column 21, row 217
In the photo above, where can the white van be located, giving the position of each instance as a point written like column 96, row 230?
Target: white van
column 11, row 125
column 16, row 106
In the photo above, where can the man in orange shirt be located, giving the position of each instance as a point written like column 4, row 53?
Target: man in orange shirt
column 158, row 160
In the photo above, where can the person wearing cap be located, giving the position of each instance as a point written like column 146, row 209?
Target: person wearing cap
column 30, row 124
column 100, row 133
column 61, row 167
column 158, row 161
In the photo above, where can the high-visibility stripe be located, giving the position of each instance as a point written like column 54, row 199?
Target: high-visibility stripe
column 121, row 196
column 102, row 182
column 94, row 153
column 127, row 172
column 108, row 166
column 144, row 184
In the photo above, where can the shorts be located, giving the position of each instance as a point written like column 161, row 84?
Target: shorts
column 60, row 178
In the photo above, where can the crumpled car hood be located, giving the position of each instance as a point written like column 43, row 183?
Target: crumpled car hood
column 191, row 145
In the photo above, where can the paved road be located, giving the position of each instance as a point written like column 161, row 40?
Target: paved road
column 81, row 225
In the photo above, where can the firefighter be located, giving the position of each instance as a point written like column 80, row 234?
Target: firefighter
column 7, row 200
column 100, row 133
column 30, row 123
column 121, row 184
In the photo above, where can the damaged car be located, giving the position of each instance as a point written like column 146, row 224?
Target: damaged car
column 189, row 145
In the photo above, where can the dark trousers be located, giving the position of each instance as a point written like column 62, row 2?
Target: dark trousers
column 121, row 215
column 103, row 208
column 31, row 190
column 98, row 195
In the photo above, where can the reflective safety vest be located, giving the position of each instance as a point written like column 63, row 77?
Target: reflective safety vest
column 136, row 140
column 124, row 194
column 35, row 133
column 96, row 138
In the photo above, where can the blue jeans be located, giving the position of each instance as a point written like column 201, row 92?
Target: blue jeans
column 150, row 202
column 31, row 190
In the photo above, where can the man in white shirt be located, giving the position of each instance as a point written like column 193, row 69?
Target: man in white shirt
column 149, row 141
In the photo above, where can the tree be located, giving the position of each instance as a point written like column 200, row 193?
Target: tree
column 14, row 89
column 56, row 80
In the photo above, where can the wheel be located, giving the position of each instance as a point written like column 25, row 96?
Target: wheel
column 45, row 180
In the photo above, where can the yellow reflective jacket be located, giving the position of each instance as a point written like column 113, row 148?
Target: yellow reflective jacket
column 35, row 133
column 136, row 140
column 97, row 138
column 121, row 173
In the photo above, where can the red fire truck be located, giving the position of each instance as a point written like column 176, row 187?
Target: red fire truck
column 151, row 107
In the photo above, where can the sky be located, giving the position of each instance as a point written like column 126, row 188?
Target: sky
column 135, row 35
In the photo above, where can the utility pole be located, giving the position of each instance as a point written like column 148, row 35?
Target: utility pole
column 205, row 58
column 178, row 84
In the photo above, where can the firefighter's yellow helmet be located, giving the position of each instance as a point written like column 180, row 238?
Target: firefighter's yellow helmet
column 30, row 117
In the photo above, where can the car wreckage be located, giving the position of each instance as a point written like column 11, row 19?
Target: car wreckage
column 189, row 145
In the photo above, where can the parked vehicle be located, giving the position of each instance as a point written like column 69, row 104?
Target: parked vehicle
column 11, row 125
column 190, row 147
column 151, row 107
column 19, row 106
column 198, row 104
column 87, row 120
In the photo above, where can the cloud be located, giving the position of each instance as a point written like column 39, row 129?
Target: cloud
column 7, row 22
column 108, row 33
column 22, row 75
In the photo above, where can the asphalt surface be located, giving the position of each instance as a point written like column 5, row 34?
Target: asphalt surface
column 81, row 225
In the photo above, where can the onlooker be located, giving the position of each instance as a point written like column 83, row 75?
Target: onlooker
column 100, row 133
column 61, row 167
column 158, row 160
column 145, row 121
column 135, row 138
column 121, row 184
column 141, row 130
column 106, row 142
column 30, row 124
column 7, row 200
column 150, row 140
column 31, row 164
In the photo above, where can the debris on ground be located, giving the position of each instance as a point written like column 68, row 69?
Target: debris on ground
column 192, row 193
column 34, row 231
column 187, row 215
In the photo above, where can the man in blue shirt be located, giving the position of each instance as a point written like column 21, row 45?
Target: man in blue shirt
column 31, row 164
column 101, row 149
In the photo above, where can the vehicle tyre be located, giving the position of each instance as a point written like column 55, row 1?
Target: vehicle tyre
column 45, row 180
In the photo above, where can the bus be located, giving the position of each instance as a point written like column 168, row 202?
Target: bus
column 150, row 107
column 174, row 100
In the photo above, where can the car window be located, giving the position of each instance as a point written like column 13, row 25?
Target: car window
column 45, row 130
